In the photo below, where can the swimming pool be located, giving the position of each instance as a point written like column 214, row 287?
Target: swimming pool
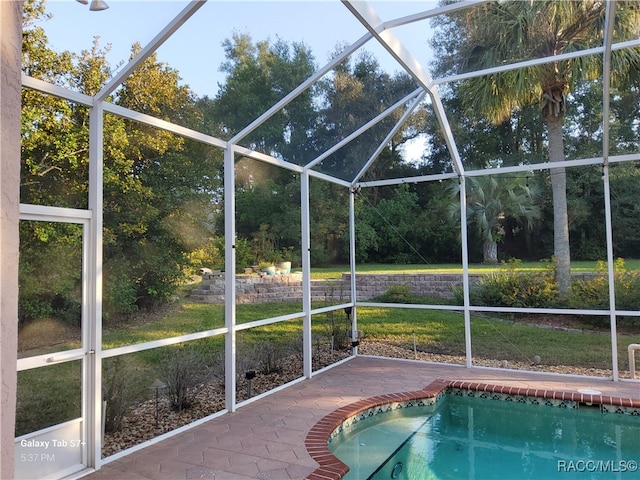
column 482, row 435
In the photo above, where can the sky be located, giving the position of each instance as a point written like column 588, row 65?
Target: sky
column 195, row 49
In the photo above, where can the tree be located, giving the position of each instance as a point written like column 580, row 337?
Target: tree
column 503, row 32
column 358, row 91
column 54, row 145
column 258, row 76
column 491, row 201
column 160, row 190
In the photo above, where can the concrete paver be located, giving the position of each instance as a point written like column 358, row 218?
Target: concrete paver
column 265, row 439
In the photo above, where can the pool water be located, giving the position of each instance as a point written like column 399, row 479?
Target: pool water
column 478, row 438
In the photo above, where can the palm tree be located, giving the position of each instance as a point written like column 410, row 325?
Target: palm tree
column 505, row 32
column 491, row 200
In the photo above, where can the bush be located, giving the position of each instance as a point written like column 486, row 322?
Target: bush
column 511, row 287
column 271, row 355
column 30, row 309
column 210, row 255
column 265, row 357
column 594, row 293
column 401, row 293
column 186, row 375
column 115, row 376
column 120, row 292
column 398, row 293
column 49, row 288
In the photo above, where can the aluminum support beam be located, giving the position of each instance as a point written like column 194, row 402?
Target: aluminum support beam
column 306, row 273
column 390, row 135
column 163, row 125
column 372, row 22
column 230, row 278
column 534, row 62
column 364, row 128
column 93, row 324
column 352, row 264
column 300, row 89
column 465, row 272
column 56, row 91
column 151, row 47
column 434, row 12
column 606, row 107
column 501, row 170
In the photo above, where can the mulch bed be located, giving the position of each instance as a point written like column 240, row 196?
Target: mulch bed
column 140, row 422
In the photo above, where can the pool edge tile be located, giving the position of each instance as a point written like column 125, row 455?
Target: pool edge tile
column 332, row 468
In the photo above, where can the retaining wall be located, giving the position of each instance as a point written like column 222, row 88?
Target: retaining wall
column 288, row 288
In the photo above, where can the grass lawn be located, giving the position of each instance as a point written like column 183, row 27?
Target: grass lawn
column 435, row 331
column 492, row 338
column 337, row 270
column 43, row 394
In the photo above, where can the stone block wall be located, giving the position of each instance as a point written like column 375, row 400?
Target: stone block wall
column 267, row 289
column 433, row 284
column 288, row 288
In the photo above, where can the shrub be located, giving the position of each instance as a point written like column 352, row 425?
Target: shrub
column 265, row 357
column 401, row 293
column 271, row 355
column 338, row 329
column 186, row 375
column 594, row 292
column 511, row 287
column 398, row 293
column 124, row 385
column 120, row 294
column 114, row 390
column 49, row 288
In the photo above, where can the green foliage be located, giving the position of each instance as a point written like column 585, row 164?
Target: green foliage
column 265, row 349
column 388, row 228
column 50, row 270
column 401, row 293
column 210, row 255
column 507, row 31
column 119, row 292
column 625, row 186
column 398, row 293
column 244, row 255
column 162, row 212
column 492, row 201
column 158, row 205
column 594, row 292
column 258, row 75
column 512, row 287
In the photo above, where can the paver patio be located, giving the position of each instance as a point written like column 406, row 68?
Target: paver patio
column 265, row 439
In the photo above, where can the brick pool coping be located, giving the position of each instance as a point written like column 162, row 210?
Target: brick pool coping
column 331, row 468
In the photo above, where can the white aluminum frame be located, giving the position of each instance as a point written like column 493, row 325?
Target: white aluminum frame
column 86, row 353
column 383, row 34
